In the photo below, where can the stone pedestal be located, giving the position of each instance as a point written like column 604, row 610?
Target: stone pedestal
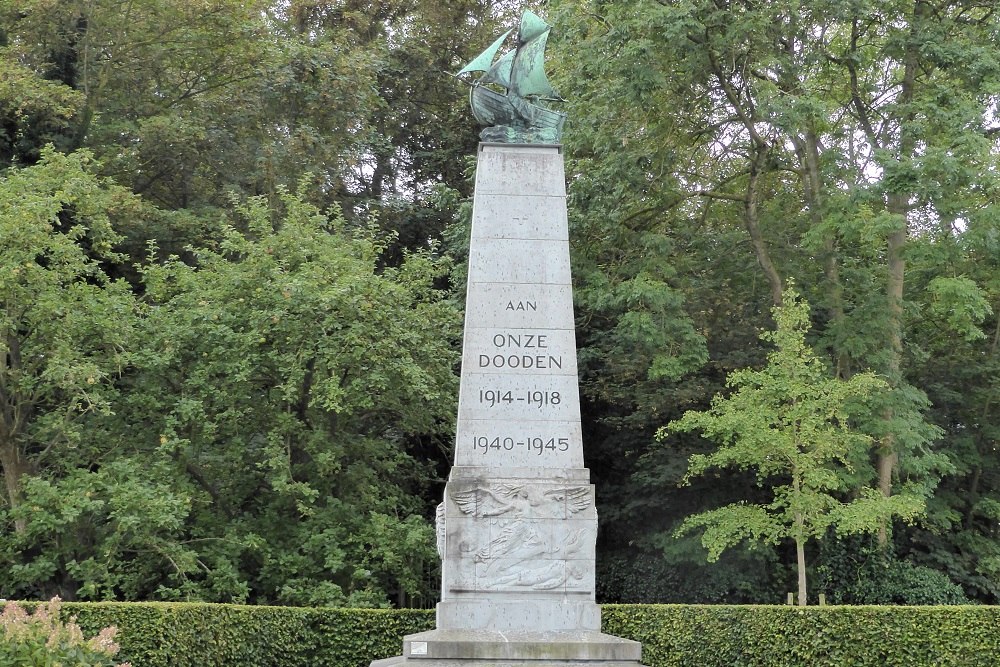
column 517, row 527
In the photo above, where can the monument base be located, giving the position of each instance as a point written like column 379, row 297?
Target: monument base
column 485, row 648
column 518, row 615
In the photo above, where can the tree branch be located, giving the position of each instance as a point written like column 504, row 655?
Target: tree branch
column 712, row 194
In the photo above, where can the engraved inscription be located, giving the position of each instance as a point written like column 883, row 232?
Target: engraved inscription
column 499, row 442
column 540, row 361
column 502, row 340
column 522, row 306
column 531, row 398
column 519, row 523
column 507, row 342
column 529, row 444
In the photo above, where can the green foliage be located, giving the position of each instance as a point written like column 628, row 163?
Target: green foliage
column 783, row 636
column 761, row 168
column 679, row 574
column 33, row 112
column 961, row 303
column 134, row 527
column 790, row 423
column 294, row 374
column 43, row 639
column 713, row 150
column 65, row 326
column 203, row 635
column 856, row 572
column 257, row 429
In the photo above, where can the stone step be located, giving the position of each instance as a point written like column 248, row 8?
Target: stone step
column 400, row 661
column 586, row 646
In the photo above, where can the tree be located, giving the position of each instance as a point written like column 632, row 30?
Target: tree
column 267, row 438
column 791, row 423
column 203, row 109
column 287, row 378
column 65, row 327
column 851, row 146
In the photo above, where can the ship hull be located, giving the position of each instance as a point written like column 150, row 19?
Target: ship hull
column 496, row 109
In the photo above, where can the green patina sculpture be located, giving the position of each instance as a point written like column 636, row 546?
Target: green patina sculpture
column 515, row 115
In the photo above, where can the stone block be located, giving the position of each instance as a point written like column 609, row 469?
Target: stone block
column 506, row 616
column 519, row 397
column 524, row 261
column 521, row 172
column 519, row 306
column 500, row 216
column 505, row 351
column 546, row 446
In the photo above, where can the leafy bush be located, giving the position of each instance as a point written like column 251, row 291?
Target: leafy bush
column 681, row 576
column 855, row 573
column 42, row 639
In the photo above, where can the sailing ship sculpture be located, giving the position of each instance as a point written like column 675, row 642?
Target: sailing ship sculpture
column 516, row 115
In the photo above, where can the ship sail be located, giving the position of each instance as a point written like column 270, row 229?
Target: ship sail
column 500, row 72
column 531, row 27
column 484, row 60
column 529, row 78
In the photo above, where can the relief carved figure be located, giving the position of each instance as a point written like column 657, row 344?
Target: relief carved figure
column 440, row 532
column 520, row 554
column 549, row 576
column 521, row 500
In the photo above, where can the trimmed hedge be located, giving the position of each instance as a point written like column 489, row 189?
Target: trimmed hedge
column 156, row 634
column 783, row 636
column 215, row 635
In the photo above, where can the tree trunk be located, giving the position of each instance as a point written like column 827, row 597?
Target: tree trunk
column 807, row 149
column 15, row 467
column 13, row 415
column 888, row 454
column 898, row 203
column 800, row 539
column 800, row 563
column 761, row 149
column 752, row 222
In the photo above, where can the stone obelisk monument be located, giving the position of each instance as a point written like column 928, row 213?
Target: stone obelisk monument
column 517, row 527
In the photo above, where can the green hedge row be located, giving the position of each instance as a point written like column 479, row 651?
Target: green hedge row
column 776, row 636
column 204, row 635
column 153, row 634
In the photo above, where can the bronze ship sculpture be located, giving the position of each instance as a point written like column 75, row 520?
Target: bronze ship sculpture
column 515, row 115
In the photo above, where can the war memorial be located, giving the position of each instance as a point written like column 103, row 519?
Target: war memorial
column 518, row 525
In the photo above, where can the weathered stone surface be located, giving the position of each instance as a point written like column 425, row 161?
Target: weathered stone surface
column 537, row 217
column 520, row 171
column 492, row 645
column 520, row 261
column 522, row 444
column 514, row 543
column 524, row 306
column 518, row 524
column 506, row 617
